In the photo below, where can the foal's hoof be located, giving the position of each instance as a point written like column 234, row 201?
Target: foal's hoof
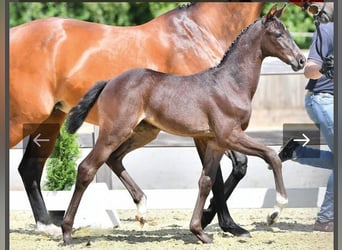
column 67, row 240
column 141, row 220
column 206, row 239
column 272, row 217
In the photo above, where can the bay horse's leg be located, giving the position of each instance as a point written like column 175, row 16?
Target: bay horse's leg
column 142, row 134
column 221, row 194
column 241, row 142
column 31, row 168
column 239, row 162
column 211, row 162
column 226, row 222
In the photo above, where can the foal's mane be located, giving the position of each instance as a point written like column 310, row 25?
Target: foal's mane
column 186, row 5
column 233, row 44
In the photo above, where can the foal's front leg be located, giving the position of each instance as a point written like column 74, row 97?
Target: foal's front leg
column 241, row 142
column 210, row 165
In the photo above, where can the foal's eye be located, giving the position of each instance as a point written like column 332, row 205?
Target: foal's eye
column 277, row 35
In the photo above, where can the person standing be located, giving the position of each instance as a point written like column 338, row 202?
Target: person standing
column 319, row 104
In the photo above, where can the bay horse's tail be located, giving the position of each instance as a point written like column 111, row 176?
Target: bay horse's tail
column 78, row 113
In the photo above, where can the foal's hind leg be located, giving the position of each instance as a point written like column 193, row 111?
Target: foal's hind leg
column 31, row 168
column 110, row 138
column 85, row 174
column 239, row 163
column 142, row 134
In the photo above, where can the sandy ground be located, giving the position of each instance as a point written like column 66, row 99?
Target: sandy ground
column 168, row 229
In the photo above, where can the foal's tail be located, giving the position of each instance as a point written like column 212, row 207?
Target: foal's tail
column 78, row 113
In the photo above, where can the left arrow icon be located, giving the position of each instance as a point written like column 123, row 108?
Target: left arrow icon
column 37, row 140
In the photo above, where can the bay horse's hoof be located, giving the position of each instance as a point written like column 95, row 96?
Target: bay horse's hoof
column 272, row 217
column 228, row 227
column 237, row 231
column 50, row 229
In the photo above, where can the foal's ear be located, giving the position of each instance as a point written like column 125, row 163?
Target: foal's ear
column 273, row 12
column 280, row 11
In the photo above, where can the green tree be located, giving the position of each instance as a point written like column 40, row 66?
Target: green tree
column 61, row 166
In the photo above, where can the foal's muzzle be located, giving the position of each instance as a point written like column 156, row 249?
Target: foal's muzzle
column 300, row 62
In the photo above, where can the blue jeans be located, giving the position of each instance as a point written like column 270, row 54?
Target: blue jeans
column 320, row 108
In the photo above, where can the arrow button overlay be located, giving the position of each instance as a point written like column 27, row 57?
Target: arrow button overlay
column 37, row 139
column 40, row 139
column 306, row 134
column 306, row 140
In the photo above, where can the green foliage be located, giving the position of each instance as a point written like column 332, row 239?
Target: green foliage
column 112, row 13
column 61, row 166
column 158, row 9
column 134, row 13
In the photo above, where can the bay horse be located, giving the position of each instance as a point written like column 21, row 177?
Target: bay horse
column 54, row 61
column 213, row 106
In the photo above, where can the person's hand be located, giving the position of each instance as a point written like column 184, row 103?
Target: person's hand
column 328, row 67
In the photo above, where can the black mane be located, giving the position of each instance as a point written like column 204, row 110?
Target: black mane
column 233, row 45
column 186, row 5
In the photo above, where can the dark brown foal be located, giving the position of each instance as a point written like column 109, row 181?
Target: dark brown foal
column 212, row 106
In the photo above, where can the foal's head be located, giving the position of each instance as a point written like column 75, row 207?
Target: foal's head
column 277, row 41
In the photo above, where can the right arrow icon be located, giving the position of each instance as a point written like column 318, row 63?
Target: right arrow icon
column 306, row 140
